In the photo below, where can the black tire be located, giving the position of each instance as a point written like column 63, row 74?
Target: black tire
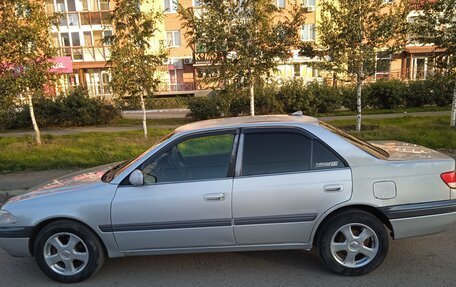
column 90, row 246
column 356, row 221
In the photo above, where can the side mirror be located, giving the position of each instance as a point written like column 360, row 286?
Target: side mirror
column 136, row 178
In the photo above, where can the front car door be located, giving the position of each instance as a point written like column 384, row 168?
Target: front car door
column 186, row 199
column 285, row 178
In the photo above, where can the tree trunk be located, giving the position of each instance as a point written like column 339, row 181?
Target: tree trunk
column 359, row 86
column 32, row 116
column 453, row 107
column 144, row 119
column 252, row 98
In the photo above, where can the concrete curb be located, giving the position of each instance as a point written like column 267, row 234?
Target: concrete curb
column 5, row 195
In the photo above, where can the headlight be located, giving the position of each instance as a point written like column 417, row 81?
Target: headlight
column 6, row 217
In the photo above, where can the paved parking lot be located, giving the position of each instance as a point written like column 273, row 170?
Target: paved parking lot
column 423, row 261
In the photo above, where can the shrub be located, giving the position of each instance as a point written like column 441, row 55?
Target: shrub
column 203, row 108
column 295, row 97
column 418, row 94
column 74, row 109
column 326, row 98
column 267, row 102
column 133, row 103
column 347, row 96
column 441, row 88
column 385, row 94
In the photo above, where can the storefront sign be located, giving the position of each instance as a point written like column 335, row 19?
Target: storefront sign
column 62, row 65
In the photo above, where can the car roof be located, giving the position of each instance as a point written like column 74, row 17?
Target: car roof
column 245, row 121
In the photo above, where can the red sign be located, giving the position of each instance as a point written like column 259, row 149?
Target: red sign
column 62, row 65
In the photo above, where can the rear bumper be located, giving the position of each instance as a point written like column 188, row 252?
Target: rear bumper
column 15, row 240
column 422, row 218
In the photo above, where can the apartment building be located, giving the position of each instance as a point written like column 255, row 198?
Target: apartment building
column 83, row 54
column 79, row 42
column 180, row 78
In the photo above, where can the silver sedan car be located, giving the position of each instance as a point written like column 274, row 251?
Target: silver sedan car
column 237, row 184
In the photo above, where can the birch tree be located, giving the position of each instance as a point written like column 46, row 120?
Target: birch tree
column 134, row 61
column 436, row 25
column 243, row 40
column 351, row 32
column 26, row 49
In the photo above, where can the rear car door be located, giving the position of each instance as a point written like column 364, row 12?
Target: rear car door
column 285, row 178
column 186, row 199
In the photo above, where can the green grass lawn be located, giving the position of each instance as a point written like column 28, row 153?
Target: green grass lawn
column 91, row 149
column 433, row 132
column 387, row 111
column 73, row 151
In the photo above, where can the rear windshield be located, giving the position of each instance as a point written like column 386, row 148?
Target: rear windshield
column 365, row 146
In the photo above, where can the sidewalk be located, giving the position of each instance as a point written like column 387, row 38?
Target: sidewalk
column 166, row 113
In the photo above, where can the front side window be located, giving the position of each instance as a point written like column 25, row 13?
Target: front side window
column 275, row 152
column 203, row 157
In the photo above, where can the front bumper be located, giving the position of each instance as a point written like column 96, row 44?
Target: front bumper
column 421, row 218
column 15, row 240
column 18, row 247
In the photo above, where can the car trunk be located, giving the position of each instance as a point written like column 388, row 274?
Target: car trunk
column 406, row 151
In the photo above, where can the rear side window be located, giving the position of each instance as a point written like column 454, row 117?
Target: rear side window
column 275, row 152
column 324, row 158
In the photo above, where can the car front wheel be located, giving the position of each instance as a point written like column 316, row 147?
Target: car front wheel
column 353, row 243
column 68, row 251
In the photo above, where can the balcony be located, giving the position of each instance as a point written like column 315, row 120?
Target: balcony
column 78, row 19
column 85, row 53
column 176, row 88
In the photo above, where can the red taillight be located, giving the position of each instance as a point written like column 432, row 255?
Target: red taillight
column 449, row 178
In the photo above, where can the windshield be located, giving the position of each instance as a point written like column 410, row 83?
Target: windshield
column 118, row 169
column 365, row 146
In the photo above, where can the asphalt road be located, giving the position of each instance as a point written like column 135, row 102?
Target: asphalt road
column 422, row 261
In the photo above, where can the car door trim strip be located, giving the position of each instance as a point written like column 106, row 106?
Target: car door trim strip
column 275, row 219
column 166, row 225
column 419, row 209
column 209, row 223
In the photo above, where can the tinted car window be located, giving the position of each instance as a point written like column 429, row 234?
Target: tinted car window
column 324, row 158
column 275, row 152
column 205, row 157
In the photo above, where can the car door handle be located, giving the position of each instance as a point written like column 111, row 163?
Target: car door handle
column 333, row 187
column 214, row 197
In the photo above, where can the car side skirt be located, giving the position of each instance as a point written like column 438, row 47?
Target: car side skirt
column 234, row 248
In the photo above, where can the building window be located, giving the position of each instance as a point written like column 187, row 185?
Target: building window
column 296, row 70
column 60, row 6
column 281, row 3
column 50, row 7
column 383, row 64
column 104, row 5
column 308, row 32
column 173, row 38
column 308, row 3
column 170, row 6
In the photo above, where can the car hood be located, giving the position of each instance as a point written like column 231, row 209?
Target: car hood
column 407, row 151
column 71, row 182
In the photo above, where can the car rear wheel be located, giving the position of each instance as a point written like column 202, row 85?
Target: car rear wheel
column 68, row 251
column 353, row 243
